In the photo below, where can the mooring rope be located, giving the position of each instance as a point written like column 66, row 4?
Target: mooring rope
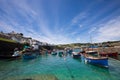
column 72, row 76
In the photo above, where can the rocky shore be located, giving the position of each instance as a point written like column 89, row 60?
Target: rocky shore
column 7, row 48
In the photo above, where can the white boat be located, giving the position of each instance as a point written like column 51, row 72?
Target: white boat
column 76, row 55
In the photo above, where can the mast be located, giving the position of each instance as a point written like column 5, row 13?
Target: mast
column 91, row 42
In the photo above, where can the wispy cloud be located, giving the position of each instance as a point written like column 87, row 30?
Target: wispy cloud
column 79, row 17
column 101, row 12
column 109, row 31
column 92, row 30
column 84, row 14
column 6, row 27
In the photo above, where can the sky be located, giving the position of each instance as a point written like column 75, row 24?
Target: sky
column 62, row 21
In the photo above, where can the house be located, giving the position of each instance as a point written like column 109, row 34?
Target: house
column 26, row 40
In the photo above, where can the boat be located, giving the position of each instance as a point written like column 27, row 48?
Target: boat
column 70, row 51
column 113, row 55
column 15, row 55
column 49, row 51
column 100, row 61
column 54, row 53
column 95, row 59
column 91, row 52
column 29, row 55
column 76, row 55
column 61, row 53
column 9, row 57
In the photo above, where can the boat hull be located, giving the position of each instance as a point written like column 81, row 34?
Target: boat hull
column 54, row 53
column 76, row 56
column 91, row 52
column 29, row 55
column 100, row 62
column 9, row 57
column 60, row 54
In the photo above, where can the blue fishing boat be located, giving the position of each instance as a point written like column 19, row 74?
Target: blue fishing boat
column 100, row 61
column 70, row 51
column 61, row 53
column 29, row 55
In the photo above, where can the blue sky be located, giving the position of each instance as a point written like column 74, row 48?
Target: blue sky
column 62, row 21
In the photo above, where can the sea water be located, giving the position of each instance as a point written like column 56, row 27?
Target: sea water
column 51, row 67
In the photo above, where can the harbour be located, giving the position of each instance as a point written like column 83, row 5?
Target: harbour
column 49, row 67
column 59, row 40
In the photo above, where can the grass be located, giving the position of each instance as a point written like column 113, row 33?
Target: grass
column 7, row 40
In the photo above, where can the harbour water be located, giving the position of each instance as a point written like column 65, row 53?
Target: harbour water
column 51, row 67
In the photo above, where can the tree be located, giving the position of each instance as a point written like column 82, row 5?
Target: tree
column 21, row 34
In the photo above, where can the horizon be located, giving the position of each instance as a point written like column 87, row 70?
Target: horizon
column 62, row 22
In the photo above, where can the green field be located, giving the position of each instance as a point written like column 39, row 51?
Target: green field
column 7, row 40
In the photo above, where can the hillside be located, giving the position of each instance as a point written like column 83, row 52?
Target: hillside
column 109, row 43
